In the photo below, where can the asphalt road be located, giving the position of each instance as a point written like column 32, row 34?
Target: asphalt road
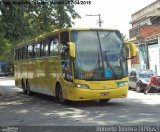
column 18, row 109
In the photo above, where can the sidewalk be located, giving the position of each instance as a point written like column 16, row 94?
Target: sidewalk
column 7, row 86
column 7, row 78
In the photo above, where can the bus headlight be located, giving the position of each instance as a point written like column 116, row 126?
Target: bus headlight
column 121, row 84
column 82, row 86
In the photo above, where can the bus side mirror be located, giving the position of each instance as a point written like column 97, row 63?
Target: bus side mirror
column 131, row 50
column 72, row 50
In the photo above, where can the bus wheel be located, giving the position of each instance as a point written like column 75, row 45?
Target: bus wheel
column 104, row 100
column 28, row 88
column 59, row 95
column 23, row 87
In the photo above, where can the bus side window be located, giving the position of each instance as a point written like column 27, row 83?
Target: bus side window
column 44, row 47
column 65, row 58
column 19, row 53
column 24, row 52
column 30, row 51
column 36, row 50
column 54, row 46
column 16, row 54
column 64, row 47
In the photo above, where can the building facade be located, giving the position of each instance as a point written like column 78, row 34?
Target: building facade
column 145, row 33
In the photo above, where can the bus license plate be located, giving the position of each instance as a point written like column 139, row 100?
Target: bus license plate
column 104, row 93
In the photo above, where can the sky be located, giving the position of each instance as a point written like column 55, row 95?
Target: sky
column 115, row 14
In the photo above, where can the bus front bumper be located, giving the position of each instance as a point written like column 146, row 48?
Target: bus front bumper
column 79, row 94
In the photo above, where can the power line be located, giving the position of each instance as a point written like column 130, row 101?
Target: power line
column 99, row 21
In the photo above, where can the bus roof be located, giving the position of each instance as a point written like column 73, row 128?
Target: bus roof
column 74, row 28
column 39, row 37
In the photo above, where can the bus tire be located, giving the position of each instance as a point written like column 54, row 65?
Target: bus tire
column 23, row 86
column 28, row 90
column 104, row 100
column 59, row 95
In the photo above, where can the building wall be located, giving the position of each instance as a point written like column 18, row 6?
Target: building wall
column 149, row 30
column 145, row 12
column 145, row 21
column 143, row 31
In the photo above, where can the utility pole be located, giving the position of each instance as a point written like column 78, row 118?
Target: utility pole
column 99, row 21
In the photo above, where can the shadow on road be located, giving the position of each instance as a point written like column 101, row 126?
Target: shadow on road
column 20, row 109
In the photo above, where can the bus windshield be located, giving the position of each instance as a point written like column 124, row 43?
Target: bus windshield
column 100, row 55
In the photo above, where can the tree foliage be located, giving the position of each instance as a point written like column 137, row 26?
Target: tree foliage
column 24, row 19
column 4, row 47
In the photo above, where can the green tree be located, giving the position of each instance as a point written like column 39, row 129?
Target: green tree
column 124, row 37
column 25, row 19
column 5, row 47
column 19, row 21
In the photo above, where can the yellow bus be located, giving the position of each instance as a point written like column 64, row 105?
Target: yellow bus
column 74, row 64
